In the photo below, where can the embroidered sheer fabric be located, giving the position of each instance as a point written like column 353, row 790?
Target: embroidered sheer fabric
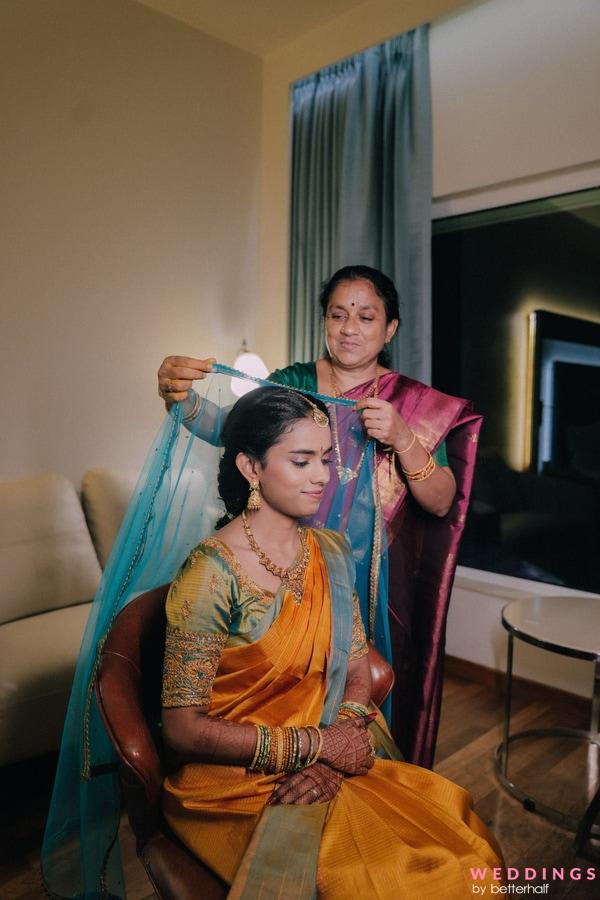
column 174, row 505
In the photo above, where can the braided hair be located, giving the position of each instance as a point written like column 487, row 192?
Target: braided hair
column 253, row 426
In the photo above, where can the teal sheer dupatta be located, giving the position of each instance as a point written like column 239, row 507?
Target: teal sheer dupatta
column 174, row 505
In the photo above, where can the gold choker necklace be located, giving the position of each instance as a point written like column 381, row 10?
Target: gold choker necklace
column 292, row 578
column 372, row 392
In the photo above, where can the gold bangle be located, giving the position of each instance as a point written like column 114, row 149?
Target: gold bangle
column 406, row 449
column 421, row 474
column 316, row 753
column 270, row 765
column 311, row 746
column 290, row 749
column 279, row 754
column 194, row 410
column 258, row 747
column 355, row 710
column 287, row 750
column 294, row 764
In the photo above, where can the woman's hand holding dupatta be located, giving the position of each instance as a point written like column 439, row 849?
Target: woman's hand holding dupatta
column 434, row 486
column 318, row 784
column 382, row 422
column 177, row 374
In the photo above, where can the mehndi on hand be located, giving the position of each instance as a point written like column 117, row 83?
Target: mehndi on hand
column 347, row 747
column 318, row 784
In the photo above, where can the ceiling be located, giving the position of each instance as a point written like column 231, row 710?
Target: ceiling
column 258, row 26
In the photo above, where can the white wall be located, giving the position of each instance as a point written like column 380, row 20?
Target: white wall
column 474, row 630
column 514, row 92
column 128, row 222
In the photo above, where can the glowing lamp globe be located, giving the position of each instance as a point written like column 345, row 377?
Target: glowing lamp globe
column 250, row 364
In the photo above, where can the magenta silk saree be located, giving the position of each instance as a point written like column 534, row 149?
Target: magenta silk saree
column 422, row 548
column 422, row 557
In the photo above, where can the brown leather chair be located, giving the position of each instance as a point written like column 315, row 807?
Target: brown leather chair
column 128, row 689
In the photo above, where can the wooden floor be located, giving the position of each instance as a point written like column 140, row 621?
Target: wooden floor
column 564, row 772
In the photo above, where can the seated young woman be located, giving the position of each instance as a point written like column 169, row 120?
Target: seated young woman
column 266, row 686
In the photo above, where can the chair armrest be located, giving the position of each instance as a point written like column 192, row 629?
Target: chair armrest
column 382, row 676
column 118, row 694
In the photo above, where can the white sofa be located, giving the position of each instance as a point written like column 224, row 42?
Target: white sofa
column 53, row 546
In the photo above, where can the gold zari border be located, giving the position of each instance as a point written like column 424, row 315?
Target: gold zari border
column 191, row 663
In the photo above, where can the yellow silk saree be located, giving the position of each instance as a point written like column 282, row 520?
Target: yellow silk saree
column 399, row 832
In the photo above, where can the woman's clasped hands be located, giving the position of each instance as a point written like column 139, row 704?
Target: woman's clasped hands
column 346, row 751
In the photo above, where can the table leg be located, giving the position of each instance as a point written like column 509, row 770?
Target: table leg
column 507, row 703
column 584, row 829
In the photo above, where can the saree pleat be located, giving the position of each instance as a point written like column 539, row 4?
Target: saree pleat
column 402, row 832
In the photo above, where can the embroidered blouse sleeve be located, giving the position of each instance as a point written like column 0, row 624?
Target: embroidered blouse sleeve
column 359, row 645
column 198, row 611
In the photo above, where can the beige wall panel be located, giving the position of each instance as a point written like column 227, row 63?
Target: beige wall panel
column 514, row 91
column 129, row 223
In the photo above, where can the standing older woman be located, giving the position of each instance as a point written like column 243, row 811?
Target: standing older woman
column 426, row 444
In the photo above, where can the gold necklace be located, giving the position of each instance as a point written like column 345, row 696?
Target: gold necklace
column 347, row 473
column 292, row 578
column 372, row 392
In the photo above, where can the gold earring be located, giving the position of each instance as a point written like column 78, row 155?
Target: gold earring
column 254, row 499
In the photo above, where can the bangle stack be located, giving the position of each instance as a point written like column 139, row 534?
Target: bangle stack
column 280, row 749
column 350, row 710
column 194, row 410
column 421, row 474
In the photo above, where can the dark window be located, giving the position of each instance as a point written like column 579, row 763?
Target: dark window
column 516, row 328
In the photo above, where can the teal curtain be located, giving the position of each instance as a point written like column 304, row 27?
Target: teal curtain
column 361, row 189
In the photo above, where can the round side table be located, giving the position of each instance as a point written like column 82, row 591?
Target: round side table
column 569, row 626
